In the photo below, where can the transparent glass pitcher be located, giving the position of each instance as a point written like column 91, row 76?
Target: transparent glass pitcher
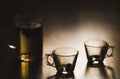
column 25, row 36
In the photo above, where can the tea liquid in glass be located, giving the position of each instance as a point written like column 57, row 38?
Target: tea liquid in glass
column 29, row 43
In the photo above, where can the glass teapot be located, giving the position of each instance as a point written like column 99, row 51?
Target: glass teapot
column 25, row 37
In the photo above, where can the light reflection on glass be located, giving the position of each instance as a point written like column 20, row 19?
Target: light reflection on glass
column 25, row 57
column 24, row 70
column 12, row 46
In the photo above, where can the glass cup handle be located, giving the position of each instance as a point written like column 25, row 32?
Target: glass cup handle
column 48, row 62
column 110, row 48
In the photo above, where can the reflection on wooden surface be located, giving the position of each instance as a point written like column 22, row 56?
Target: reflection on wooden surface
column 99, row 72
column 24, row 70
column 30, row 70
column 39, row 70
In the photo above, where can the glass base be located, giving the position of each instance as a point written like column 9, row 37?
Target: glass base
column 95, row 63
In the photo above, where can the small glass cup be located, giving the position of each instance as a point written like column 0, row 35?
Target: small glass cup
column 64, row 59
column 97, row 50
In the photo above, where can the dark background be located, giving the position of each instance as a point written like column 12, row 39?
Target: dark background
column 63, row 16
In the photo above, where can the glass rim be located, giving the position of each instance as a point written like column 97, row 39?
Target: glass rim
column 97, row 40
column 38, row 25
column 66, row 54
column 28, row 21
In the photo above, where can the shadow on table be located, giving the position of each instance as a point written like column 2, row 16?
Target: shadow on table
column 99, row 72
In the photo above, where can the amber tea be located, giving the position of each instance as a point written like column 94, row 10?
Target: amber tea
column 29, row 42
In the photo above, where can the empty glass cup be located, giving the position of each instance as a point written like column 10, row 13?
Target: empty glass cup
column 64, row 59
column 97, row 50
